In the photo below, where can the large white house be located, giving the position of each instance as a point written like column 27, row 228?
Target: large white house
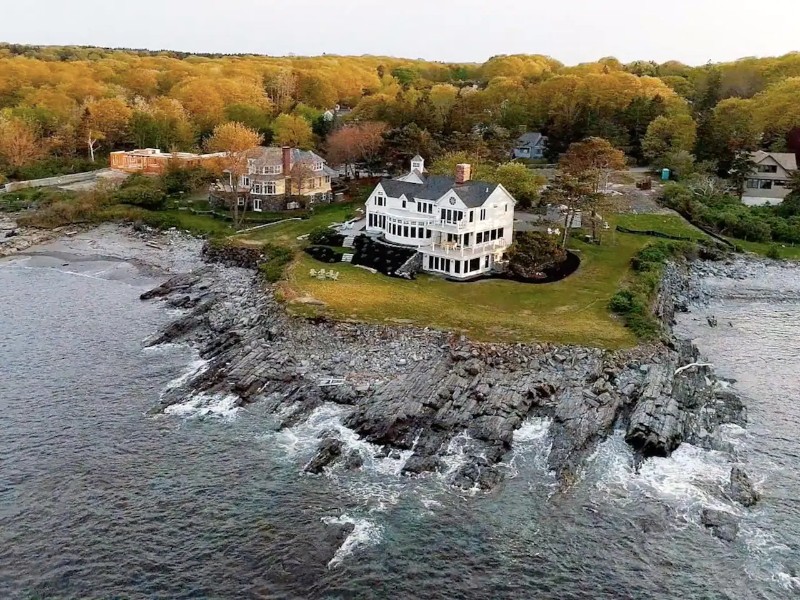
column 461, row 227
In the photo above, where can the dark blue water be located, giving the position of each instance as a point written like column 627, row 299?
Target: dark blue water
column 100, row 500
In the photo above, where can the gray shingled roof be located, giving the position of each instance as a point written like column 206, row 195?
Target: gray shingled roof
column 273, row 156
column 472, row 193
column 529, row 139
column 785, row 159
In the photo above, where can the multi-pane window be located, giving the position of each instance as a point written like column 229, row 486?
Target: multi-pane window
column 483, row 214
column 270, row 187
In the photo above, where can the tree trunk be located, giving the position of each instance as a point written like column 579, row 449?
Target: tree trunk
column 91, row 148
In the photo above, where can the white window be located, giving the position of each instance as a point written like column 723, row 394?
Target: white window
column 240, row 201
column 256, row 188
column 505, row 207
column 380, row 201
column 257, row 204
column 404, row 203
column 245, row 181
column 272, row 170
column 270, row 188
column 483, row 214
column 327, row 178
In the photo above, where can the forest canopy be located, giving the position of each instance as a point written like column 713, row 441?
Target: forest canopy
column 62, row 105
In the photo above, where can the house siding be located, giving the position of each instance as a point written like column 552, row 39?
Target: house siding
column 455, row 240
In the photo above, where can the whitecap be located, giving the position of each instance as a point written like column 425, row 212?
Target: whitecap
column 223, row 406
column 365, row 534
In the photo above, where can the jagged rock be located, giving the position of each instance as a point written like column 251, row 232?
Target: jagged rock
column 722, row 524
column 740, row 489
column 417, row 464
column 656, row 424
column 477, row 473
column 447, row 388
column 329, row 450
column 353, row 461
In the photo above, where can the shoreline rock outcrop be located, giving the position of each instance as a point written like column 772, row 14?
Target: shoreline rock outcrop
column 434, row 394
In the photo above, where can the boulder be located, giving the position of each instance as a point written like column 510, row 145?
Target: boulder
column 722, row 524
column 329, row 450
column 353, row 461
column 740, row 489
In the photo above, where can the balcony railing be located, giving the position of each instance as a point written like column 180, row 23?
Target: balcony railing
column 454, row 249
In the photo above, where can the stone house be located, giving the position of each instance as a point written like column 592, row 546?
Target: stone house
column 279, row 179
column 460, row 227
column 768, row 182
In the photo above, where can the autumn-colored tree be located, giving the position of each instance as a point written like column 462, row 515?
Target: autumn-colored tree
column 20, row 143
column 293, row 131
column 236, row 143
column 358, row 143
column 104, row 120
column 593, row 160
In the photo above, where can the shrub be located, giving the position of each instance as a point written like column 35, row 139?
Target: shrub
column 276, row 259
column 622, row 302
column 774, row 252
column 324, row 254
column 324, row 236
column 146, row 196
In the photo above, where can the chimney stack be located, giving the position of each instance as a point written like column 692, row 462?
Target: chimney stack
column 463, row 173
column 287, row 160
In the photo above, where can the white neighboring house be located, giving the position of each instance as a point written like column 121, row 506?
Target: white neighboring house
column 768, row 183
column 461, row 227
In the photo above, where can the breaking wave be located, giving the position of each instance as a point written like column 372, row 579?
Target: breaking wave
column 365, row 534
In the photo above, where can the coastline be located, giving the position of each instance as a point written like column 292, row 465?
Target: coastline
column 416, row 391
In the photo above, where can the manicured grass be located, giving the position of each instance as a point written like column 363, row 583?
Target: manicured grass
column 572, row 311
column 286, row 234
column 786, row 252
column 200, row 224
column 669, row 224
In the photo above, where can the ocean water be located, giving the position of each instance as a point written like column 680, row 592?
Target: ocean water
column 98, row 499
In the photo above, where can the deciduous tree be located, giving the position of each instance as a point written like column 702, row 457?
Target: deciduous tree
column 236, row 143
column 20, row 143
column 532, row 252
column 290, row 130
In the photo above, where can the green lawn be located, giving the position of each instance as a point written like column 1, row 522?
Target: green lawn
column 572, row 311
column 786, row 252
column 200, row 224
column 287, row 233
column 669, row 224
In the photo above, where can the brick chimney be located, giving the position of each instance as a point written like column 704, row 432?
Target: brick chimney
column 287, row 160
column 463, row 173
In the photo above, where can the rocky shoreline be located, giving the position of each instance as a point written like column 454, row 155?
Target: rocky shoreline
column 418, row 391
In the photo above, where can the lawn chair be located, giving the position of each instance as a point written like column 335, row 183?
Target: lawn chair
column 330, row 274
column 312, row 273
column 321, row 274
column 335, row 276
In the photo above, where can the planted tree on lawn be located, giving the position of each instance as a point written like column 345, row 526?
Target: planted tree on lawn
column 236, row 142
column 592, row 161
column 573, row 192
column 532, row 252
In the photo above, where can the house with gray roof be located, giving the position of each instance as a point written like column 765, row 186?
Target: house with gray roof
column 768, row 182
column 461, row 227
column 530, row 145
